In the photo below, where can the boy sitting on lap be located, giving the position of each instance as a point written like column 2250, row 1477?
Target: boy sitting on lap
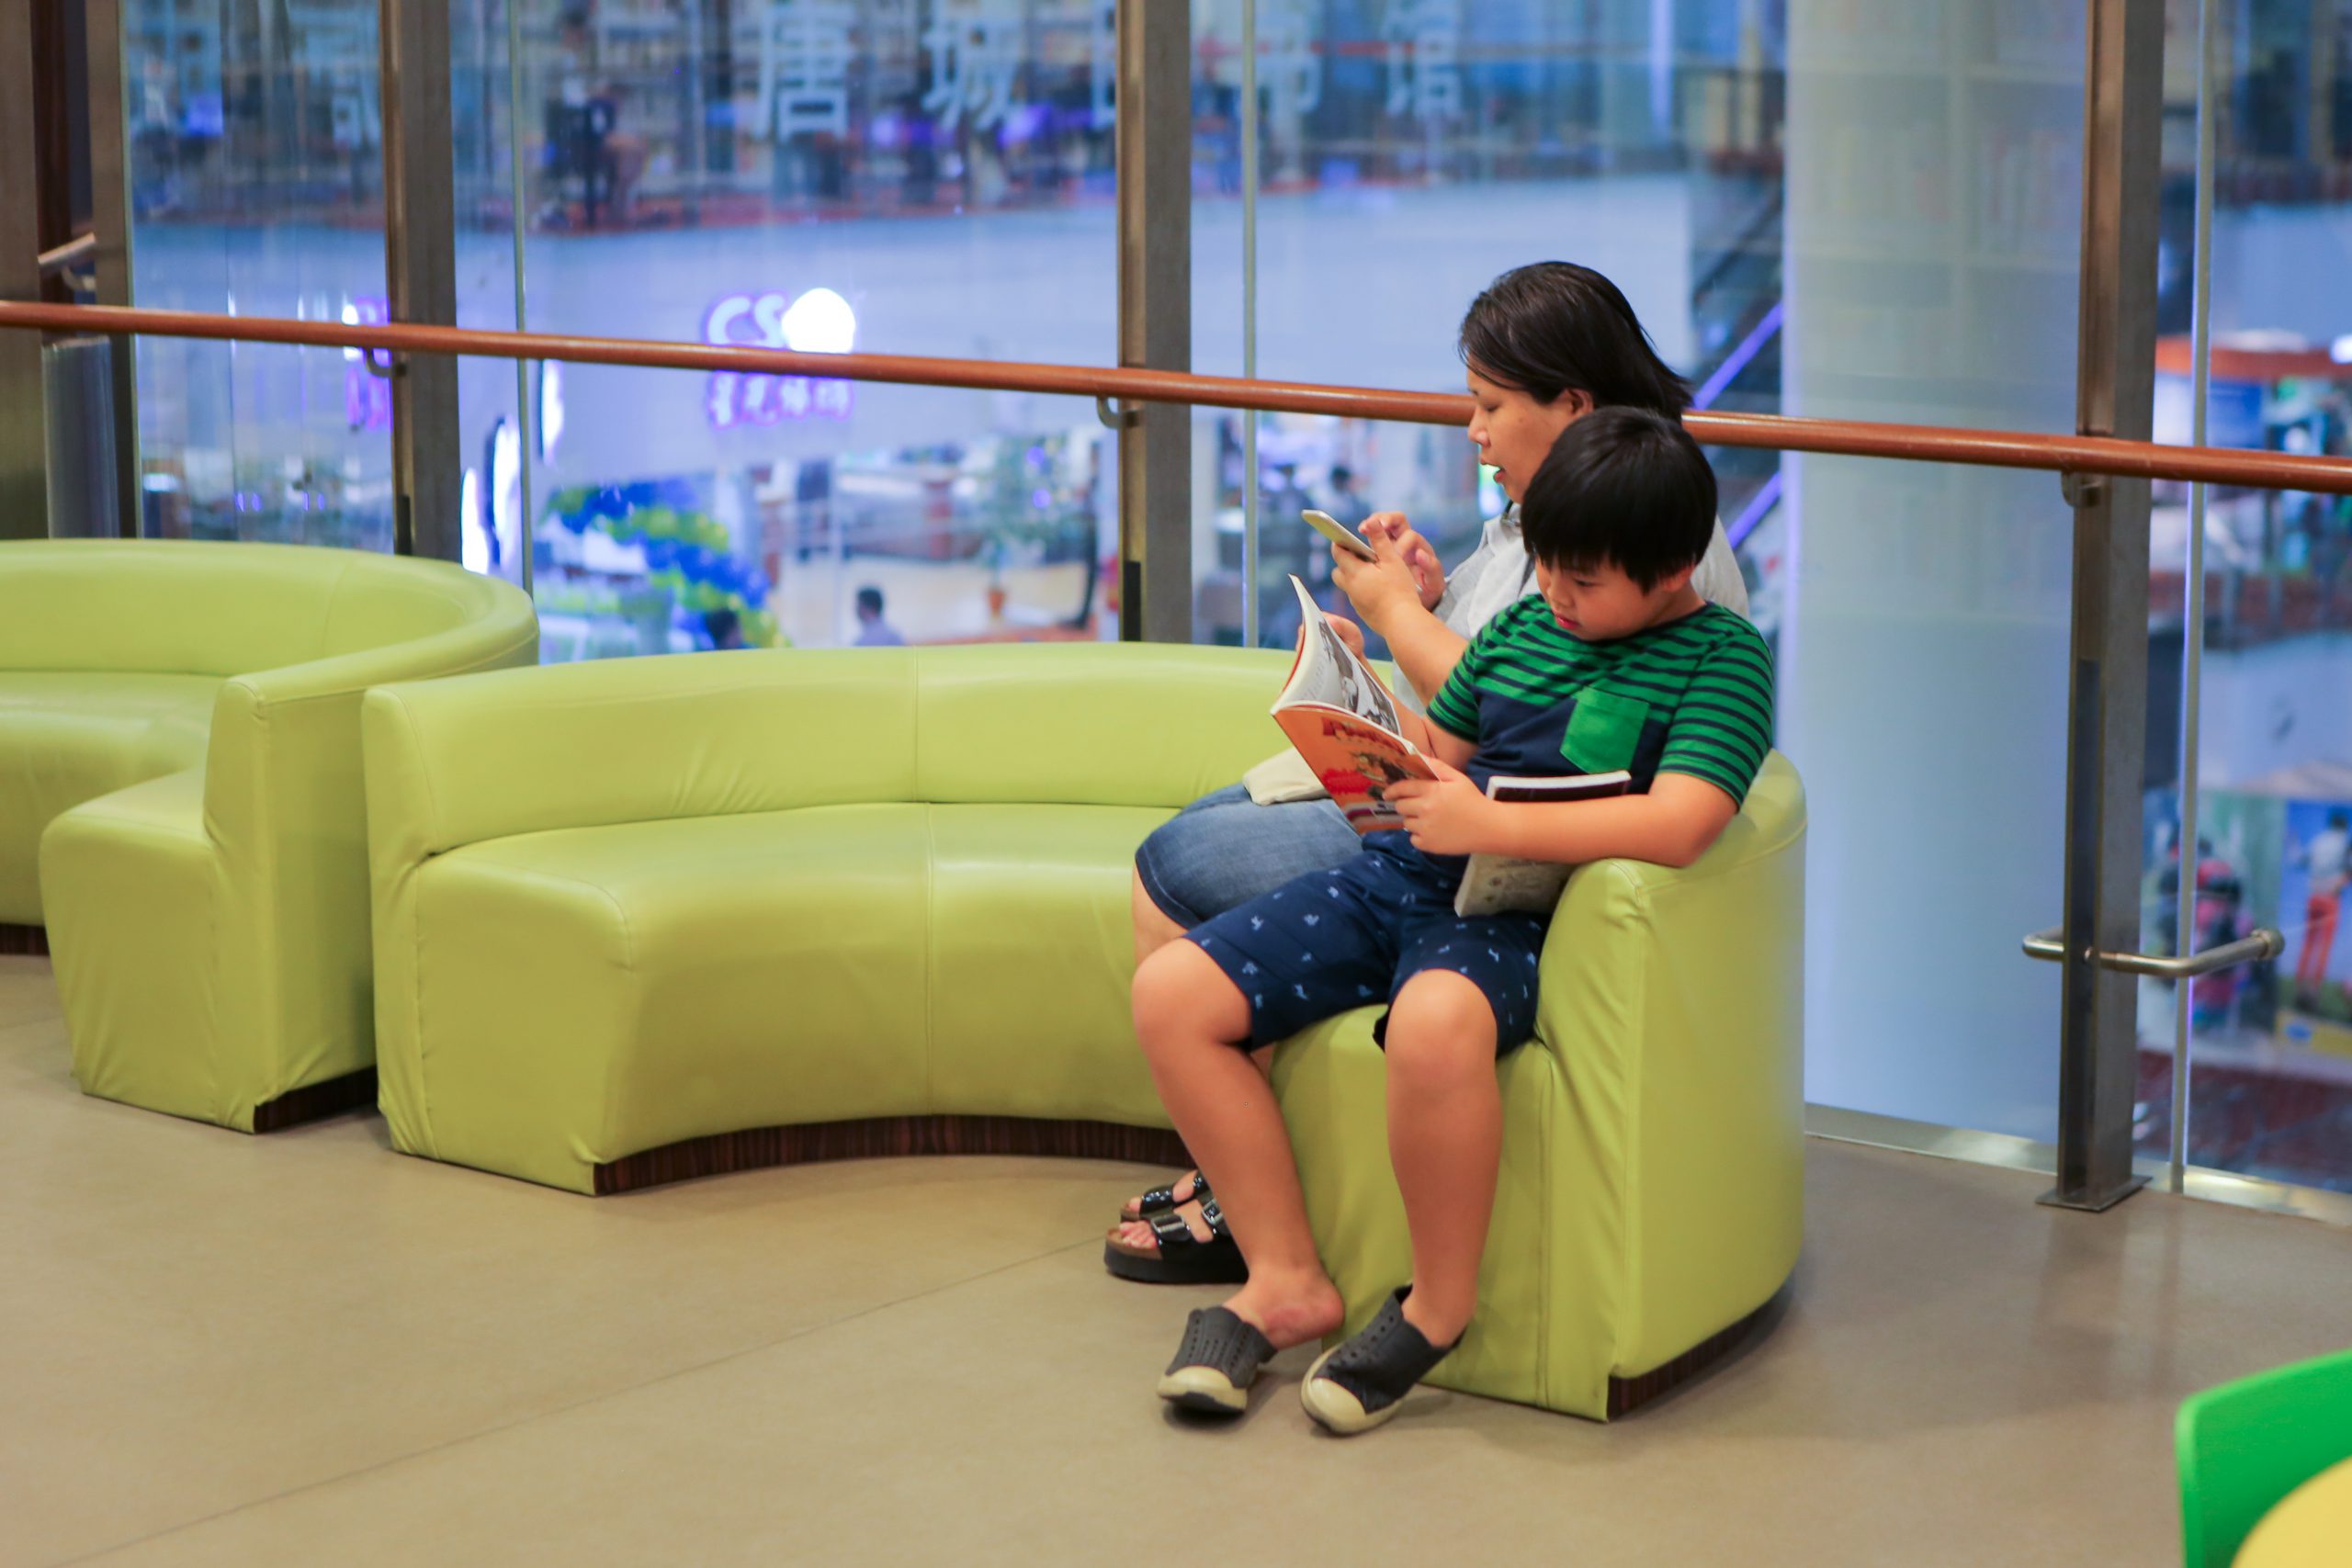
column 1616, row 663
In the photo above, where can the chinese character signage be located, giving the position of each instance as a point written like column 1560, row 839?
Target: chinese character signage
column 1424, row 41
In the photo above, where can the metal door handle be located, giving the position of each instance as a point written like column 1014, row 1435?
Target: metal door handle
column 2264, row 943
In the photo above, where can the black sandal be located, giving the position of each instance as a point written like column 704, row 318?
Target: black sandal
column 1182, row 1257
column 1160, row 1200
column 1215, row 1364
column 1356, row 1385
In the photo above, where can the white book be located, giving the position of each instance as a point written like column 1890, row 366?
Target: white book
column 1344, row 723
column 1496, row 885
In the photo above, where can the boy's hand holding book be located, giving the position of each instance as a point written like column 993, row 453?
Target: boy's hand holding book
column 1447, row 815
column 1350, row 633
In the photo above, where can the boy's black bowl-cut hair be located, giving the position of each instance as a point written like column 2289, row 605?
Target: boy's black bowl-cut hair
column 1621, row 487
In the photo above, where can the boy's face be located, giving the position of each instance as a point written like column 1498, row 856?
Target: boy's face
column 1601, row 603
column 1514, row 432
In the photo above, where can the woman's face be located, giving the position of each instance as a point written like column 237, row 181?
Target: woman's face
column 1514, row 432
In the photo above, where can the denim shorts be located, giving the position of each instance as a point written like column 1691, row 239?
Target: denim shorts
column 1225, row 849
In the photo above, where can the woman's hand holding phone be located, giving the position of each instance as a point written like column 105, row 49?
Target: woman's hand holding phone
column 1331, row 528
column 1389, row 582
column 1429, row 576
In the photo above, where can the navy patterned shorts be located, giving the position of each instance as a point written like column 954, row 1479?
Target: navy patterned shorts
column 1330, row 940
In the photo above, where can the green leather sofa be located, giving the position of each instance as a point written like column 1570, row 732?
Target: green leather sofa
column 179, row 735
column 656, row 904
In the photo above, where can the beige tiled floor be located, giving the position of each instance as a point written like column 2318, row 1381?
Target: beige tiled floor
column 306, row 1349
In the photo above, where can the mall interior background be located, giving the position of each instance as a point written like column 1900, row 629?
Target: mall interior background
column 1862, row 209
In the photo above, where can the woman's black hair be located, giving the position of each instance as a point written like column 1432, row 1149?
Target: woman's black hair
column 1621, row 487
column 1551, row 327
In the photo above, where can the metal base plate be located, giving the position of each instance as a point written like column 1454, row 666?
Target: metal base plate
column 2097, row 1204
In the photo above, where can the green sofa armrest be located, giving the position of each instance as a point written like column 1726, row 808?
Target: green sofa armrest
column 268, row 974
column 285, row 805
column 1651, row 1190
column 507, row 639
column 1671, row 1001
column 288, row 740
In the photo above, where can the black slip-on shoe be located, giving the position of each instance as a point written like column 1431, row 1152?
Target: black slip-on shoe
column 1357, row 1385
column 1215, row 1364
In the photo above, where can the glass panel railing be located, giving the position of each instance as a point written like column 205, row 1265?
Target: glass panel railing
column 946, row 536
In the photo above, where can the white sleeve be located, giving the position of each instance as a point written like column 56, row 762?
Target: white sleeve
column 1718, row 579
column 1452, row 608
column 1462, row 587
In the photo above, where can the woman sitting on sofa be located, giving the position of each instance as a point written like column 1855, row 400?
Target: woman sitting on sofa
column 1543, row 345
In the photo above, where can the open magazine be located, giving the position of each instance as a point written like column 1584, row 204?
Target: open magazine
column 1495, row 885
column 1343, row 722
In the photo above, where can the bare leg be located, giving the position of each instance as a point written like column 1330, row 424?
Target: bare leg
column 1155, row 930
column 1445, row 1133
column 1188, row 1015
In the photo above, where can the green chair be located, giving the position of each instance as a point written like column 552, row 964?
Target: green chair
column 179, row 731
column 665, row 917
column 2245, row 1445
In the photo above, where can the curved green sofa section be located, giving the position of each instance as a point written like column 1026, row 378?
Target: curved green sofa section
column 179, row 725
column 622, row 906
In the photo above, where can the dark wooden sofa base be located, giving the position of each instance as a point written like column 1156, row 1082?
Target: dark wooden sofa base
column 24, row 942
column 1630, row 1393
column 883, row 1137
column 353, row 1091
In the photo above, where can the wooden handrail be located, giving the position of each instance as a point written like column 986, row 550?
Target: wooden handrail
column 1846, row 438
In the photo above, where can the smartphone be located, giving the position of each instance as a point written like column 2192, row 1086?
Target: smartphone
column 1332, row 529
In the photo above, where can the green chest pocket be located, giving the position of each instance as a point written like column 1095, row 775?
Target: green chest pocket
column 1604, row 731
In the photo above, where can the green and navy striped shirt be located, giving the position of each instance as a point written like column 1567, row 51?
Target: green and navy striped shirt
column 1691, row 696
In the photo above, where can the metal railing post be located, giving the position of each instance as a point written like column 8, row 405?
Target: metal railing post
column 111, row 227
column 1253, row 487
column 24, row 429
column 1154, row 181
column 2107, row 676
column 421, row 274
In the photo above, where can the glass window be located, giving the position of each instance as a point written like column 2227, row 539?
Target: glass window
column 930, row 178
column 256, row 146
column 1411, row 151
column 2271, row 1075
column 1935, row 181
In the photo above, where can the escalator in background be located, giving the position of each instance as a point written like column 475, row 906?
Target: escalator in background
column 1738, row 312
